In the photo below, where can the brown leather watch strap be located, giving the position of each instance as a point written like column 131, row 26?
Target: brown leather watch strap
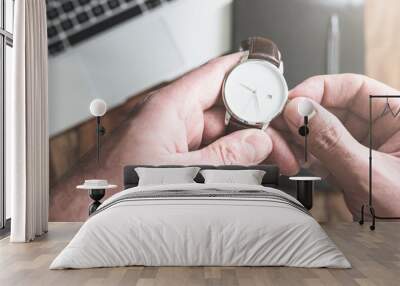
column 262, row 48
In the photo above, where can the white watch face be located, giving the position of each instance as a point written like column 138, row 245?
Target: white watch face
column 255, row 92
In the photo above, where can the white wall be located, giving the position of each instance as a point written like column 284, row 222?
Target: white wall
column 138, row 54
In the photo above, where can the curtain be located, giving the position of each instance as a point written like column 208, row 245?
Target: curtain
column 27, row 147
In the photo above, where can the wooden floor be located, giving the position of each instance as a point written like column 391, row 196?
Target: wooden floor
column 375, row 257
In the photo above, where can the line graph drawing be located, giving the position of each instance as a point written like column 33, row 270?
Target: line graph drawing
column 388, row 109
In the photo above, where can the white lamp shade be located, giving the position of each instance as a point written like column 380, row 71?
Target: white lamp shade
column 305, row 108
column 98, row 107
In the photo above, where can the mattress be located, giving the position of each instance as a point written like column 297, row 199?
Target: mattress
column 201, row 225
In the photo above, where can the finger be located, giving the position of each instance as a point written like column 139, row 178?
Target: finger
column 313, row 164
column 280, row 124
column 357, row 126
column 214, row 125
column 386, row 126
column 213, row 128
column 245, row 147
column 346, row 91
column 329, row 140
column 202, row 86
column 282, row 154
column 340, row 113
column 392, row 145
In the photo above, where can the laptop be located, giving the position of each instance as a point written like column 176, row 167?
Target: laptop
column 114, row 49
column 73, row 21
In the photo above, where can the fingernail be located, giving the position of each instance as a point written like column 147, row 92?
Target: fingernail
column 292, row 115
column 305, row 108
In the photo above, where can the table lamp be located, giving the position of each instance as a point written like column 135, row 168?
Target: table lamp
column 98, row 108
column 97, row 188
column 305, row 109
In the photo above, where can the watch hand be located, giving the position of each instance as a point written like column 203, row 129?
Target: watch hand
column 248, row 88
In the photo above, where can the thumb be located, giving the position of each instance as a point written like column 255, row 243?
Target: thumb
column 244, row 147
column 328, row 140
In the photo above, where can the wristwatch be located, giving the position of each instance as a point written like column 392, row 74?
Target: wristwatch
column 254, row 91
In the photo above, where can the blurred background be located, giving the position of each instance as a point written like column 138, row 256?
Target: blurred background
column 119, row 50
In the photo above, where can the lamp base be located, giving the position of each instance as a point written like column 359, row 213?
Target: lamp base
column 372, row 211
column 305, row 190
column 96, row 195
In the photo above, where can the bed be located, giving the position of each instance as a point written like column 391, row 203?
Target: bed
column 201, row 224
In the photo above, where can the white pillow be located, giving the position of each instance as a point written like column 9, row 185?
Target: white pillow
column 248, row 177
column 164, row 176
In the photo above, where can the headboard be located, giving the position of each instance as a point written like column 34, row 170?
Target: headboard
column 271, row 177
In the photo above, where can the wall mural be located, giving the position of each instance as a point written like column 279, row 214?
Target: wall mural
column 134, row 83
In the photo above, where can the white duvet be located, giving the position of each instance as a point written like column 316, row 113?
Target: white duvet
column 188, row 231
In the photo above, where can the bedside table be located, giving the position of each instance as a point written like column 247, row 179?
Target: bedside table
column 97, row 190
column 305, row 189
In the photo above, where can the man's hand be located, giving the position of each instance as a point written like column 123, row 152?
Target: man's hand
column 183, row 123
column 339, row 137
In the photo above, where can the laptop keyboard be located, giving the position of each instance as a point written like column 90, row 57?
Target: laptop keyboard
column 70, row 22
